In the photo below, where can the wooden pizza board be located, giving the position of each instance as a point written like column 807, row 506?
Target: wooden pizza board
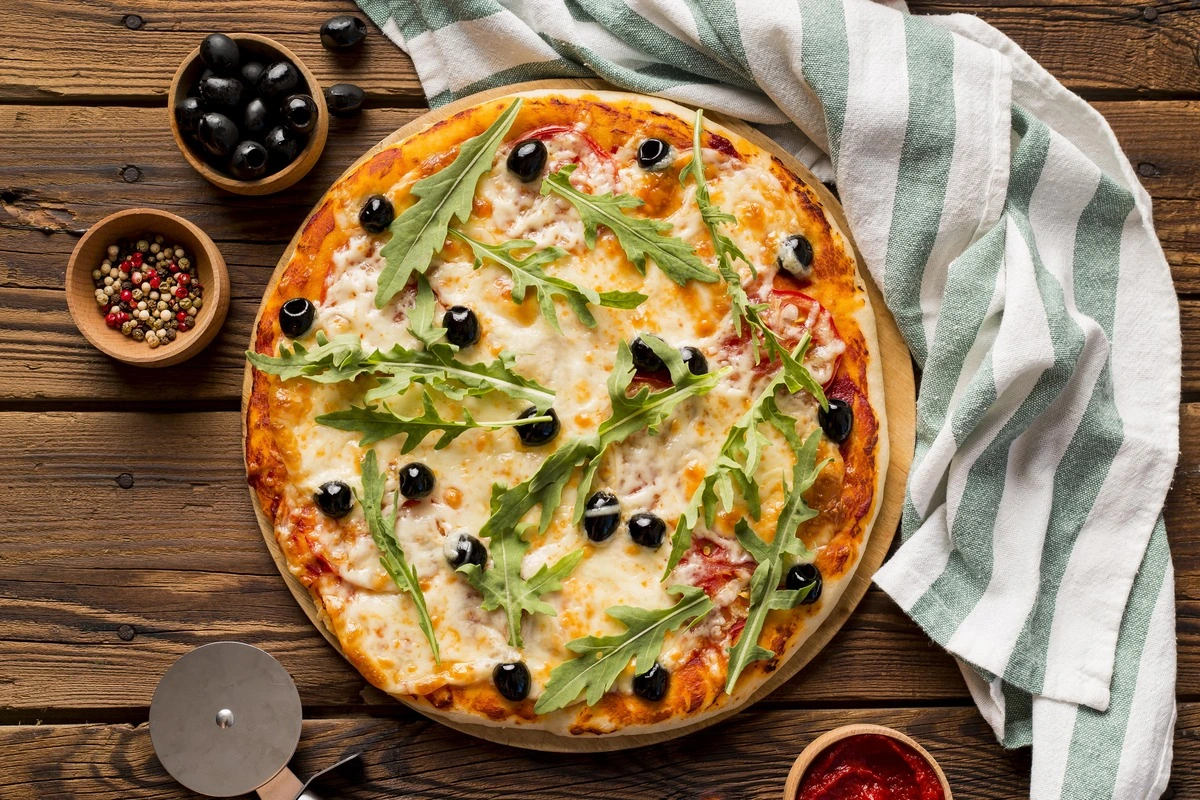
column 900, row 402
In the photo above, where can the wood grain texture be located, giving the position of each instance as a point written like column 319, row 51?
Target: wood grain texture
column 101, row 587
column 64, row 168
column 90, row 54
column 746, row 758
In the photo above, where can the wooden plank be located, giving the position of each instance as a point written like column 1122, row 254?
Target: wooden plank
column 101, row 587
column 746, row 758
column 105, row 51
column 47, row 185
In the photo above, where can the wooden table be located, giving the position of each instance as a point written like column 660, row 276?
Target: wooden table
column 127, row 536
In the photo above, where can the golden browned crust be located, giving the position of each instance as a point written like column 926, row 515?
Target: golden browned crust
column 696, row 687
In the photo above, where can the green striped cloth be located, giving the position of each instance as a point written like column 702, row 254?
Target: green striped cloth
column 1016, row 249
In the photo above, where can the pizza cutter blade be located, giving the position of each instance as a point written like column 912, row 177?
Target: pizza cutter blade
column 225, row 721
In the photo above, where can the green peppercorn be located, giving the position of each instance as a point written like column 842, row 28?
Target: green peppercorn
column 185, row 303
column 138, row 334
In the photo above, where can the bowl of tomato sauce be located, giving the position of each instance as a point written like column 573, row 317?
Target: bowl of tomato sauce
column 866, row 762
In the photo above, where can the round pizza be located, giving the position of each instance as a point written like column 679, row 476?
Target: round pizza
column 568, row 412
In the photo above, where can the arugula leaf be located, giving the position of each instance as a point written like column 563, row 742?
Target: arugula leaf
column 764, row 592
column 746, row 314
column 391, row 556
column 397, row 368
column 736, row 463
column 329, row 362
column 639, row 237
column 377, row 424
column 644, row 409
column 602, row 659
column 527, row 273
column 420, row 230
column 503, row 587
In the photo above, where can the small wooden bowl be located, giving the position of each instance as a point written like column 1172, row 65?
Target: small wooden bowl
column 267, row 51
column 823, row 743
column 81, row 291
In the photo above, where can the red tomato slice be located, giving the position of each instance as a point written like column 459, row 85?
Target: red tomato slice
column 595, row 169
column 790, row 314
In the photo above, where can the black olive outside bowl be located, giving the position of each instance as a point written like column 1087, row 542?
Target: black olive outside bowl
column 253, row 48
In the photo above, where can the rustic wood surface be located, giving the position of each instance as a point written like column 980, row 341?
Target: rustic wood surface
column 128, row 538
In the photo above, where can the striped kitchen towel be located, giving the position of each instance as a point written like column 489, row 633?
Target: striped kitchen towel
column 1016, row 249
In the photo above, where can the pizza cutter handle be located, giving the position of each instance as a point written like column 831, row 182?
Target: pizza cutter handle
column 284, row 786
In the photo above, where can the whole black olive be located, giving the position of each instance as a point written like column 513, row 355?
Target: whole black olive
column 802, row 576
column 278, row 80
column 296, row 316
column 465, row 549
column 652, row 154
column 376, row 214
column 188, row 114
column 220, row 53
column 462, row 326
column 217, row 134
column 256, row 118
column 344, row 99
column 652, row 684
column 416, row 480
column 795, row 255
column 300, row 113
column 249, row 161
column 601, row 515
column 343, row 32
column 695, row 361
column 527, row 159
column 838, row 421
column 644, row 358
column 282, row 144
column 251, row 72
column 647, row 529
column 512, row 680
column 536, row 433
column 335, row 499
column 221, row 92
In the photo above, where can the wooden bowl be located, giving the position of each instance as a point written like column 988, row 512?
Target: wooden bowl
column 823, row 743
column 260, row 48
column 81, row 291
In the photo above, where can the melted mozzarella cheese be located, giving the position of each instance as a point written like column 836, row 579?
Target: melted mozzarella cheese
column 647, row 473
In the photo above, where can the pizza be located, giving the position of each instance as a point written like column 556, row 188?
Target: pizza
column 567, row 411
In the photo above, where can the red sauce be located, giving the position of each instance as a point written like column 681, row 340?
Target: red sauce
column 870, row 767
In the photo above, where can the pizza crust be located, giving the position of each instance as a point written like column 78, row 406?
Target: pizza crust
column 696, row 685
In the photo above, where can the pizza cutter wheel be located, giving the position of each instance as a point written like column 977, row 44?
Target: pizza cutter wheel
column 225, row 721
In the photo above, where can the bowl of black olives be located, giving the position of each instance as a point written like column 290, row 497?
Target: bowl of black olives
column 247, row 114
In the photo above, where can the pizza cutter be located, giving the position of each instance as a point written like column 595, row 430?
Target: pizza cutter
column 225, row 721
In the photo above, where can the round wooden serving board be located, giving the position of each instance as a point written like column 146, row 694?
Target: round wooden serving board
column 900, row 399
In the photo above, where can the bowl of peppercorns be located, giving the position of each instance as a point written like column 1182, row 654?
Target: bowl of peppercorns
column 147, row 287
column 247, row 114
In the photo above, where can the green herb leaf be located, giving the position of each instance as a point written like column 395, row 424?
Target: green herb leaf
column 645, row 409
column 377, row 424
column 745, row 313
column 765, row 594
column 735, row 465
column 329, row 362
column 420, row 230
column 391, row 556
column 527, row 273
column 503, row 587
column 397, row 368
column 640, row 238
column 602, row 658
